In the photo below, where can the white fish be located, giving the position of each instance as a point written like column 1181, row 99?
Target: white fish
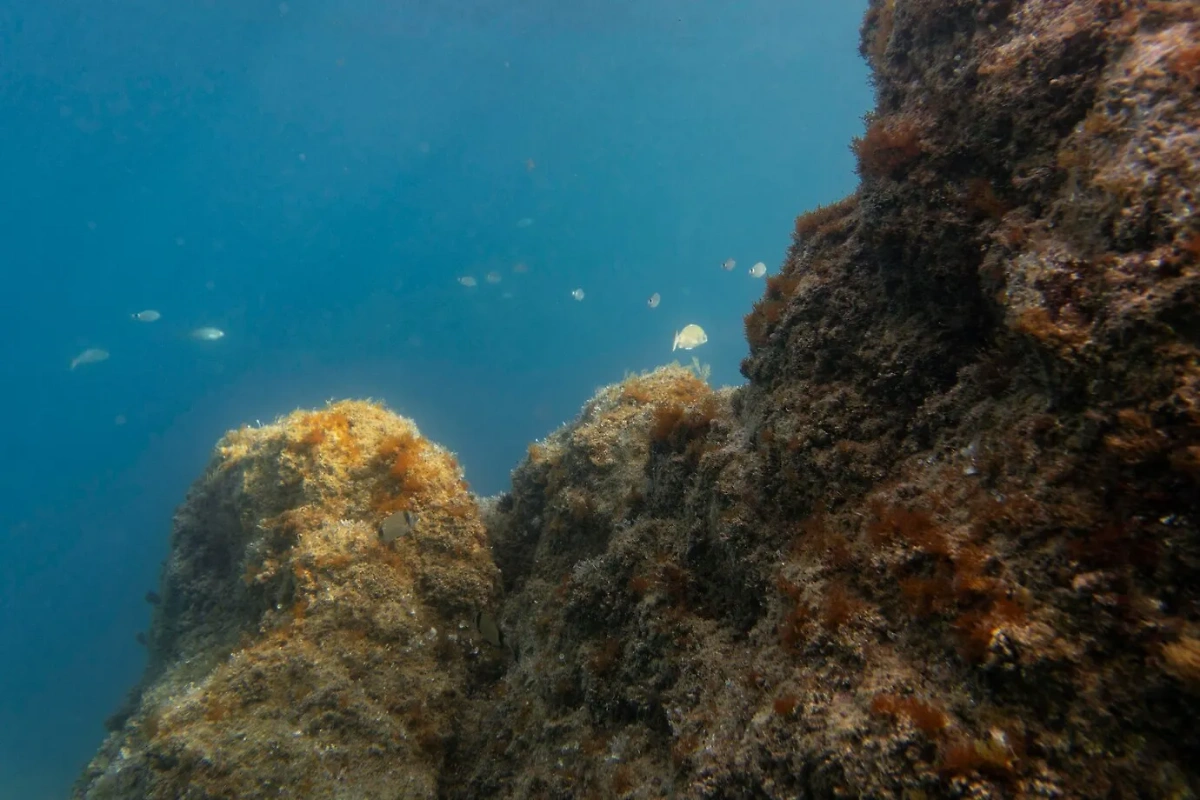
column 149, row 315
column 493, row 277
column 524, row 222
column 468, row 281
column 758, row 270
column 691, row 336
column 93, row 355
column 577, row 294
column 728, row 264
column 397, row 525
column 654, row 300
column 207, row 334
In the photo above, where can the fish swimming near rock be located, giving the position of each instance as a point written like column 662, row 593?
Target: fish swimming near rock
column 691, row 336
column 397, row 525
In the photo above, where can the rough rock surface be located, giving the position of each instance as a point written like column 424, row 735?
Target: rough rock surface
column 294, row 653
column 944, row 543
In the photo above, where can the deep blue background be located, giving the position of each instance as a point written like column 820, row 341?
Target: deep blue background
column 312, row 177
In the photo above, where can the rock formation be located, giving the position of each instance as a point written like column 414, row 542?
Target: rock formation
column 294, row 652
column 943, row 544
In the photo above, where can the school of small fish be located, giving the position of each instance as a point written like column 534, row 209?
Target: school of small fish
column 689, row 337
column 95, row 355
column 398, row 525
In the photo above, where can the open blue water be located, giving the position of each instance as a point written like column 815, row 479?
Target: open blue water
column 313, row 177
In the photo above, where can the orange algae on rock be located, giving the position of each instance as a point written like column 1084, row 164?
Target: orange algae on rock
column 887, row 146
column 286, row 629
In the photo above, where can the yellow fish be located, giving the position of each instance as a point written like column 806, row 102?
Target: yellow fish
column 691, row 336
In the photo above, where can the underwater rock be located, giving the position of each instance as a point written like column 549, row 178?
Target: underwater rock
column 945, row 541
column 291, row 647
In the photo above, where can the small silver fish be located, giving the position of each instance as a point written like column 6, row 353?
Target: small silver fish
column 758, row 270
column 149, row 315
column 93, row 355
column 728, row 264
column 468, row 281
column 577, row 294
column 654, row 300
column 394, row 526
column 208, row 334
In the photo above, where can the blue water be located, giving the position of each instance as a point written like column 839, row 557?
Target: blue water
column 312, row 177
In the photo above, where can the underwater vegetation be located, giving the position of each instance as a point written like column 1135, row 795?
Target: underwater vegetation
column 943, row 544
column 288, row 625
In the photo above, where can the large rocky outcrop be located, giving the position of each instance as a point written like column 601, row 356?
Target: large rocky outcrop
column 295, row 651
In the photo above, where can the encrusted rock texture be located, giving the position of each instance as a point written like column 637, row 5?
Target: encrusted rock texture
column 294, row 653
column 943, row 543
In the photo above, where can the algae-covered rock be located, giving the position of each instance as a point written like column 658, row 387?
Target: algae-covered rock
column 944, row 543
column 294, row 651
